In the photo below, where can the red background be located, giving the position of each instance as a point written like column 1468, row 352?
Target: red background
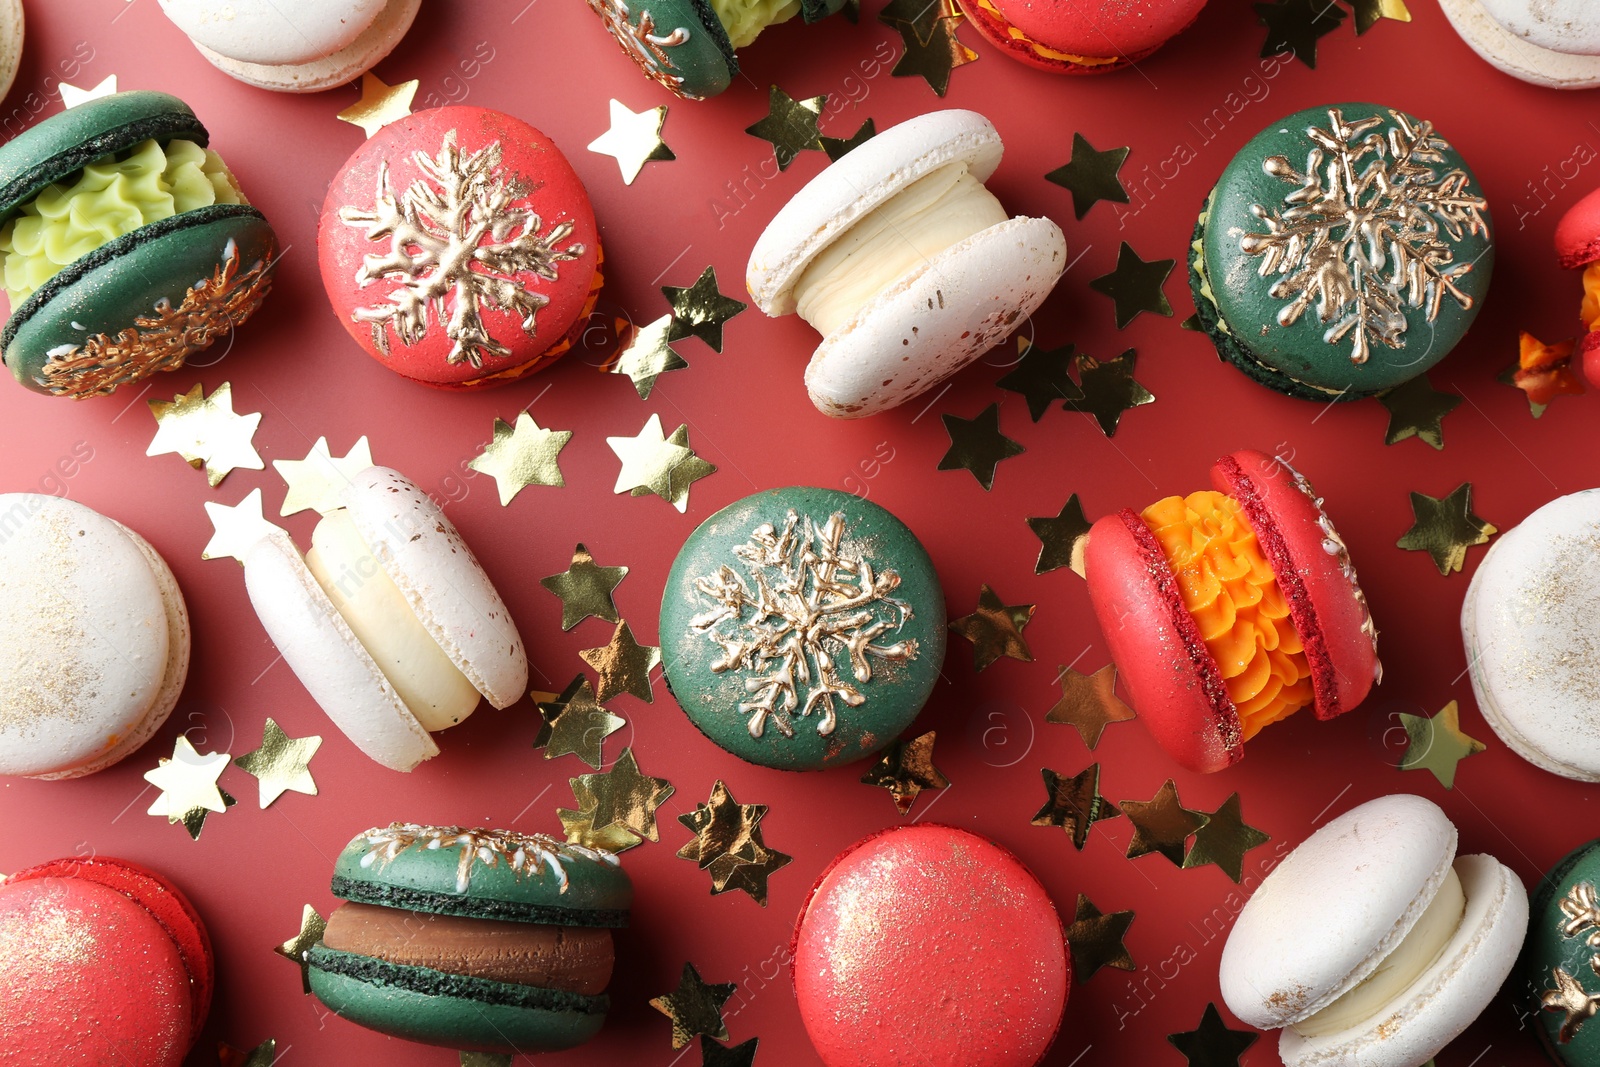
column 548, row 62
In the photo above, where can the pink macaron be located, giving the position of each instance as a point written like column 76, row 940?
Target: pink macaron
column 1578, row 248
column 1081, row 36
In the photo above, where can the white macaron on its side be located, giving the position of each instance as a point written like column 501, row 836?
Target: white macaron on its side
column 1553, row 43
column 12, row 25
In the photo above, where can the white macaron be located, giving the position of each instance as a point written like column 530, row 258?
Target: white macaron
column 94, row 638
column 1372, row 944
column 1554, row 43
column 904, row 262
column 11, row 35
column 389, row 620
column 294, row 48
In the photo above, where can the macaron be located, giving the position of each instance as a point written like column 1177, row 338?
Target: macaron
column 1230, row 609
column 1080, row 36
column 688, row 46
column 905, row 263
column 1553, row 43
column 389, row 621
column 478, row 940
column 1373, row 944
column 12, row 26
column 1309, row 303
column 802, row 628
column 459, row 249
column 102, row 963
column 329, row 43
column 1578, row 247
column 94, row 641
column 126, row 245
column 1560, row 964
column 928, row 946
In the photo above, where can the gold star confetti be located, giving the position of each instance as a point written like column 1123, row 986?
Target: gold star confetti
column 281, row 763
column 1293, row 26
column 522, row 455
column 1437, row 744
column 380, row 104
column 682, row 476
column 72, row 96
column 1224, row 839
column 1091, row 176
column 624, row 665
column 695, row 1008
column 905, row 770
column 485, row 1059
column 1042, row 376
column 206, row 432
column 1446, row 528
column 1135, row 285
column 586, row 589
column 647, row 460
column 977, row 445
column 701, row 310
column 728, row 844
column 262, row 1055
column 839, row 147
column 935, row 58
column 575, row 724
column 1417, row 410
column 316, row 481
column 921, row 15
column 633, row 140
column 1109, row 389
column 579, row 824
column 790, row 125
column 1089, row 703
column 995, row 629
column 1368, row 12
column 644, row 354
column 1161, row 824
column 1095, row 940
column 1063, row 539
column 294, row 950
column 623, row 796
column 235, row 529
column 1074, row 804
column 1543, row 372
column 1212, row 1044
column 188, row 784
column 741, row 1055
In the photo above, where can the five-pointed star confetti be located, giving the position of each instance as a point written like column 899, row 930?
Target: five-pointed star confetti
column 922, row 16
column 281, row 763
column 1095, row 940
column 934, row 58
column 380, row 104
column 1109, row 389
column 1224, row 839
column 995, row 629
column 727, row 842
column 1074, row 804
column 521, row 455
column 578, row 824
column 1543, row 372
column 1212, row 1044
column 1438, row 744
column 623, row 665
column 905, row 770
column 72, row 96
column 575, row 723
column 695, row 1008
column 701, row 310
column 644, row 354
column 1091, row 176
column 977, row 445
column 790, row 125
column 648, row 460
column 1089, row 703
column 1161, row 824
column 688, row 471
column 316, row 481
column 1417, row 410
column 188, row 784
column 235, row 529
column 586, row 589
column 623, row 796
column 1294, row 25
column 485, row 1059
column 1368, row 12
column 1043, row 376
column 262, row 1055
column 294, row 950
column 633, row 140
column 1135, row 285
column 1062, row 539
column 206, row 432
column 1446, row 528
column 839, row 147
column 713, row 1054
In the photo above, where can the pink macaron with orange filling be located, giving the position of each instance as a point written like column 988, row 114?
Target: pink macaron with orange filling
column 1578, row 247
column 1081, row 36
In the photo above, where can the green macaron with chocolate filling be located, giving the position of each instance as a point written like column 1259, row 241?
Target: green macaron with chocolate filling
column 479, row 940
column 125, row 245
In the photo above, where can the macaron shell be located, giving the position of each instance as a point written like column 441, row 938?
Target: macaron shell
column 1577, row 237
column 258, row 31
column 683, row 47
column 1125, row 29
column 1514, row 55
column 325, row 71
column 1559, row 25
column 1554, row 945
column 11, row 37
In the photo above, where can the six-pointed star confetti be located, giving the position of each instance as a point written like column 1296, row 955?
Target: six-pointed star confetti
column 294, row 950
column 1089, row 703
column 281, row 763
column 575, row 723
column 1135, row 285
column 701, row 310
column 188, row 784
column 790, row 125
column 1224, row 839
column 1062, row 538
column 1438, row 743
column 633, row 140
column 1091, row 176
column 521, row 455
column 1446, row 528
column 1212, row 1044
column 977, row 445
column 1161, row 824
column 206, row 432
column 235, row 529
column 906, row 769
column 623, row 665
column 586, row 589
column 1417, row 409
column 380, row 104
column 1109, row 389
column 995, row 629
column 644, row 354
column 695, row 1007
column 1074, row 804
column 316, row 481
column 727, row 843
column 1096, row 940
column 1043, row 376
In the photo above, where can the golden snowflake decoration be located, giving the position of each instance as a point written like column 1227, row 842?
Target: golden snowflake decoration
column 643, row 44
column 458, row 243
column 1577, row 1005
column 804, row 600
column 525, row 855
column 1368, row 231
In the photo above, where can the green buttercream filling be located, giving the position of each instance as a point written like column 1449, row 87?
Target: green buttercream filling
column 745, row 19
column 112, row 196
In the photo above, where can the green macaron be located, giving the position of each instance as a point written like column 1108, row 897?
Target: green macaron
column 802, row 628
column 1560, row 967
column 1345, row 250
column 481, row 940
column 125, row 245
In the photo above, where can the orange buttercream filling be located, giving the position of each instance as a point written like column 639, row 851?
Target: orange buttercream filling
column 1041, row 50
column 1590, row 311
column 1229, row 588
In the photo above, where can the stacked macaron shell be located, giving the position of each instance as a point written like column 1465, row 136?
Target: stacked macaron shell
column 459, row 248
column 928, row 946
column 1553, row 43
column 389, row 621
column 11, row 34
column 1560, row 962
column 94, row 638
column 102, row 963
column 1373, row 944
column 904, row 262
column 1578, row 246
column 126, row 245
column 1231, row 609
column 480, row 940
column 1081, row 36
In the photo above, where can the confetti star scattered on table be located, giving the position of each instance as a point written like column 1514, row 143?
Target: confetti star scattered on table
column 977, row 445
column 1091, row 176
column 790, row 125
column 1543, row 372
column 727, row 842
column 1224, row 839
column 921, row 15
column 935, row 58
column 1074, row 804
column 995, row 629
column 1089, row 703
column 1095, row 940
column 380, row 104
column 905, row 770
column 1438, row 744
column 1368, row 12
column 281, row 763
column 72, row 96
column 682, row 476
column 586, row 589
column 578, row 824
column 1109, row 389
column 633, row 140
column 316, row 481
column 713, row 1054
column 521, row 455
column 235, row 529
column 485, row 1059
column 294, row 950
column 188, row 784
column 624, row 796
column 206, row 431
column 701, row 310
column 648, row 460
column 1212, row 1044
column 623, row 665
column 262, row 1055
column 576, row 724
column 1062, row 539
column 839, row 147
column 1161, row 824
column 1417, row 409
column 695, row 1008
column 1135, row 285
column 1446, row 528
column 1043, row 376
column 644, row 353
column 1293, row 26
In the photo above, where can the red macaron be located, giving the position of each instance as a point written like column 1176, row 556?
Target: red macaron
column 1228, row 610
column 1081, row 36
column 1578, row 247
column 109, row 964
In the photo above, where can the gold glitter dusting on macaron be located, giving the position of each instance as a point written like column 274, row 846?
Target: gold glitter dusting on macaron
column 294, row 950
column 574, row 724
column 623, row 796
column 235, row 529
column 1161, row 824
column 906, row 769
column 315, row 482
column 1438, row 743
column 1212, row 1044
column 521, row 455
column 206, row 432
column 1417, row 409
column 701, row 310
column 790, row 125
column 1109, row 390
column 995, row 629
column 1089, row 703
column 633, row 139
column 1074, row 804
column 380, row 104
column 644, row 354
column 623, row 665
column 586, row 589
column 695, row 1007
column 728, row 843
column 72, row 96
column 1445, row 528
column 263, row 1055
column 46, row 938
column 281, row 763
column 1096, row 940
column 1224, row 839
column 188, row 784
column 977, row 446
column 1063, row 539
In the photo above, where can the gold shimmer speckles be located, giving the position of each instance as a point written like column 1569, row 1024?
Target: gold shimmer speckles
column 977, row 445
column 1062, row 539
column 1224, row 839
column 622, row 797
column 695, row 1007
column 644, row 354
column 188, row 784
column 905, row 770
column 995, row 629
column 623, row 665
column 1161, row 824
column 701, row 310
column 380, row 104
column 281, row 763
column 1212, row 1044
column 206, row 432
column 1109, row 390
column 713, row 1054
column 1042, row 376
column 1089, row 703
column 1446, row 527
column 263, row 1055
column 1135, row 285
column 790, row 125
column 1095, row 940
column 727, row 843
column 294, row 950
column 574, row 723
column 521, row 455
column 1091, row 176
column 316, row 481
column 633, row 139
column 1417, row 409
column 235, row 529
column 1074, row 804
column 1438, row 743
column 1293, row 26
column 933, row 49
column 655, row 464
column 586, row 589
column 72, row 96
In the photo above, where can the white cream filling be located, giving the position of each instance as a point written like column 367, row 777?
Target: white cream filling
column 437, row 693
column 914, row 225
column 1415, row 954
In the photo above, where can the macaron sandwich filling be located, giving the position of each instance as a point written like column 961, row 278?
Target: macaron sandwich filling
column 743, row 20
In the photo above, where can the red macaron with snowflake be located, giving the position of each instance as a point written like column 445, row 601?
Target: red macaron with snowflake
column 459, row 248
